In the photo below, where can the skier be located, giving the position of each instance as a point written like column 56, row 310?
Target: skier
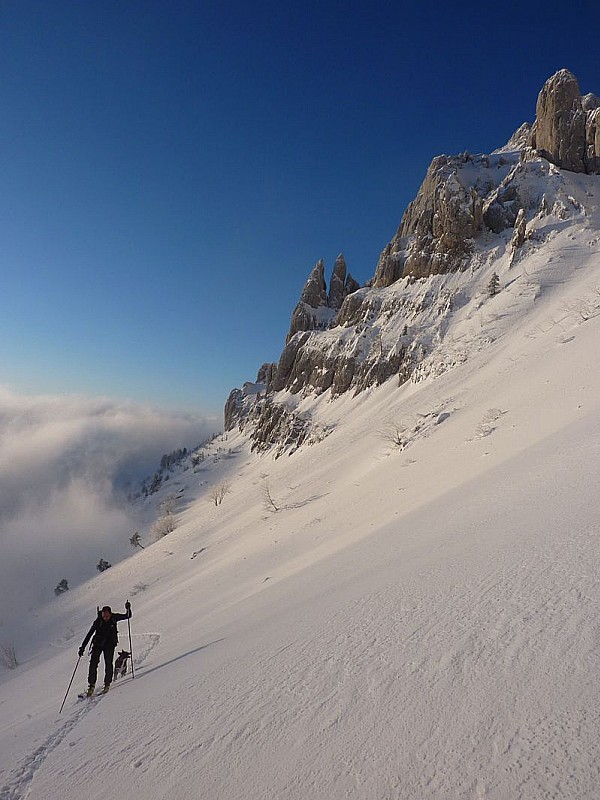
column 104, row 631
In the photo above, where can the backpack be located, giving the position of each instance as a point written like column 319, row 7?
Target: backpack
column 106, row 632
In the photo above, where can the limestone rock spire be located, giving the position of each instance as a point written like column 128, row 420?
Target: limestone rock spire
column 567, row 127
column 337, row 286
column 314, row 293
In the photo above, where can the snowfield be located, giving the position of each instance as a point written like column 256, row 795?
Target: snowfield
column 416, row 622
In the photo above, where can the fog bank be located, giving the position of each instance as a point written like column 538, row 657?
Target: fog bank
column 62, row 461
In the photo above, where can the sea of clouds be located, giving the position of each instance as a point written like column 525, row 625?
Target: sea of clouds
column 65, row 463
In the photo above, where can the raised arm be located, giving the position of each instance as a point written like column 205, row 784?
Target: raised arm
column 126, row 615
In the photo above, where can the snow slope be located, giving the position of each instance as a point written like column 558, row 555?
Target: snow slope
column 415, row 622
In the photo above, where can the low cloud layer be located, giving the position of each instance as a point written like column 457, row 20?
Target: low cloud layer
column 63, row 463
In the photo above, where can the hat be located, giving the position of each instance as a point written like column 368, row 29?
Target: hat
column 107, row 608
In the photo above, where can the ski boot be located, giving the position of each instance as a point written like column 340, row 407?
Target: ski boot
column 90, row 690
column 106, row 688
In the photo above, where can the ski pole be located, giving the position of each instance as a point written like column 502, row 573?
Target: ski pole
column 70, row 682
column 130, row 648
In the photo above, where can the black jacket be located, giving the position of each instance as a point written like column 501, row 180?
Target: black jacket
column 105, row 633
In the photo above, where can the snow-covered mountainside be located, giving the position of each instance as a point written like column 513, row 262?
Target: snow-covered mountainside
column 475, row 216
column 404, row 607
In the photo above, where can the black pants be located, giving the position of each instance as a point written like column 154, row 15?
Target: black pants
column 109, row 653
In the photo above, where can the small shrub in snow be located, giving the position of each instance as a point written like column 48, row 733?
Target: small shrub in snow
column 8, row 656
column 63, row 586
column 103, row 565
column 163, row 526
column 268, row 501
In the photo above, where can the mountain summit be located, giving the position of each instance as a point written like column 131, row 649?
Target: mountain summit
column 567, row 126
column 474, row 216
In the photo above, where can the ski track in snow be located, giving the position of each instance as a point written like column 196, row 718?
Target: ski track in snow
column 18, row 787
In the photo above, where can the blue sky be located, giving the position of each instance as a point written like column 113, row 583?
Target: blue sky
column 172, row 171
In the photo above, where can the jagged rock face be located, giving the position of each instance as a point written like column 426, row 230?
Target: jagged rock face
column 314, row 293
column 314, row 296
column 351, row 285
column 316, row 308
column 266, row 374
column 566, row 126
column 317, row 371
column 240, row 400
column 444, row 206
column 233, row 409
column 438, row 227
column 520, row 231
column 286, row 360
column 274, row 427
column 502, row 207
column 592, row 139
column 337, row 286
column 303, row 319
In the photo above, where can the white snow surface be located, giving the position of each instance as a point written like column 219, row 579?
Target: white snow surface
column 415, row 622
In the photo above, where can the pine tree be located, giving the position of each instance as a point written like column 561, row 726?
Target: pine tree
column 493, row 285
column 134, row 540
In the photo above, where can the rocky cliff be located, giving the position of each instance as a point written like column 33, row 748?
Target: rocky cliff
column 472, row 213
column 567, row 126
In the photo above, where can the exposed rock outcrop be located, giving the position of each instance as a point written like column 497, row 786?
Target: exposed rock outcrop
column 266, row 374
column 316, row 308
column 520, row 231
column 241, row 400
column 314, row 293
column 233, row 409
column 337, row 286
column 437, row 229
column 273, row 426
column 566, row 129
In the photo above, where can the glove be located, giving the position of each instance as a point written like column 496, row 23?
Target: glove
column 81, row 651
column 128, row 605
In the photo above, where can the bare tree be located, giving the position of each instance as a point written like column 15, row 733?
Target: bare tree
column 163, row 526
column 219, row 492
column 268, row 501
column 395, row 434
column 167, row 505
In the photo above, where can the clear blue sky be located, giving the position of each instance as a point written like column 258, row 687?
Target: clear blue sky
column 171, row 171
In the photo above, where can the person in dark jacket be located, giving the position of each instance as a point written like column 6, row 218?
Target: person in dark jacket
column 104, row 631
